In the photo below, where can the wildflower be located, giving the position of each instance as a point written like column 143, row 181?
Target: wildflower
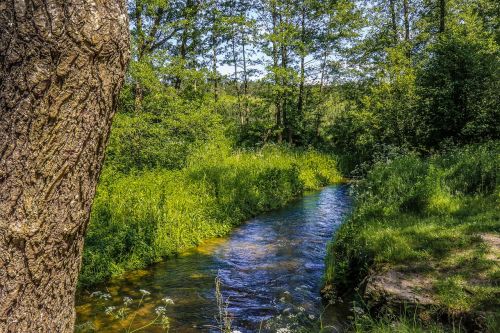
column 127, row 300
column 312, row 317
column 144, row 292
column 104, row 296
column 109, row 310
column 160, row 310
column 283, row 330
column 282, row 300
column 301, row 309
column 168, row 301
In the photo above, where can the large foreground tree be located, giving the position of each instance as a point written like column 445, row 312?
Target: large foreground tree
column 62, row 64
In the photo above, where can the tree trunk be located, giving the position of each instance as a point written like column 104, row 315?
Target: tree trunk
column 245, row 77
column 394, row 26
column 442, row 15
column 300, row 103
column 279, row 122
column 214, row 57
column 235, row 78
column 183, row 47
column 284, row 99
column 138, row 91
column 62, row 65
column 406, row 18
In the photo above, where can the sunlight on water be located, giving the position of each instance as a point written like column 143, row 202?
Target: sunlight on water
column 270, row 269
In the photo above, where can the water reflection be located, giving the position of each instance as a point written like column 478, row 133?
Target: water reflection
column 270, row 267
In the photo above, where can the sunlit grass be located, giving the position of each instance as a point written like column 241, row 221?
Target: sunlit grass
column 138, row 219
column 427, row 216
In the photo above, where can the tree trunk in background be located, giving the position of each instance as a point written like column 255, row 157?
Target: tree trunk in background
column 138, row 91
column 442, row 15
column 62, row 65
column 235, row 78
column 394, row 25
column 214, row 59
column 279, row 123
column 183, row 47
column 245, row 78
column 406, row 18
column 300, row 103
column 284, row 98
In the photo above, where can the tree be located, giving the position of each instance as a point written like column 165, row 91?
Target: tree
column 62, row 65
column 154, row 26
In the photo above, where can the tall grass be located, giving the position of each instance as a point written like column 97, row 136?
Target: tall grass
column 428, row 216
column 138, row 219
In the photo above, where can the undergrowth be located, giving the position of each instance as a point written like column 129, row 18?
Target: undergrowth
column 431, row 216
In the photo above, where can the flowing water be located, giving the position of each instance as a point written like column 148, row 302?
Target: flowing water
column 270, row 270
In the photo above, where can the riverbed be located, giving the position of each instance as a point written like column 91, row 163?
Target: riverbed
column 270, row 270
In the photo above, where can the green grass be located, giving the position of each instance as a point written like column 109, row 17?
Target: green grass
column 364, row 323
column 138, row 219
column 428, row 217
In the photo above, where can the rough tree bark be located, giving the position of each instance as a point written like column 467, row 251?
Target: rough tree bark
column 62, row 64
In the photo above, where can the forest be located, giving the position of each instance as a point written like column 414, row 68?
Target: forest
column 242, row 129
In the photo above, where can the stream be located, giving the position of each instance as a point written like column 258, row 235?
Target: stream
column 270, row 271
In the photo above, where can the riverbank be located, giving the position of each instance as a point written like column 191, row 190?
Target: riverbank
column 268, row 270
column 140, row 218
column 425, row 234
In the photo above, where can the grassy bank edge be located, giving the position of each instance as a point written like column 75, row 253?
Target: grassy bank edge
column 428, row 218
column 139, row 219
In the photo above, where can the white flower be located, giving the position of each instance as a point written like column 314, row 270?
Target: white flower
column 168, row 301
column 160, row 310
column 301, row 309
column 110, row 309
column 283, row 330
column 127, row 300
column 282, row 300
column 312, row 317
column 104, row 296
column 144, row 292
column 235, row 331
